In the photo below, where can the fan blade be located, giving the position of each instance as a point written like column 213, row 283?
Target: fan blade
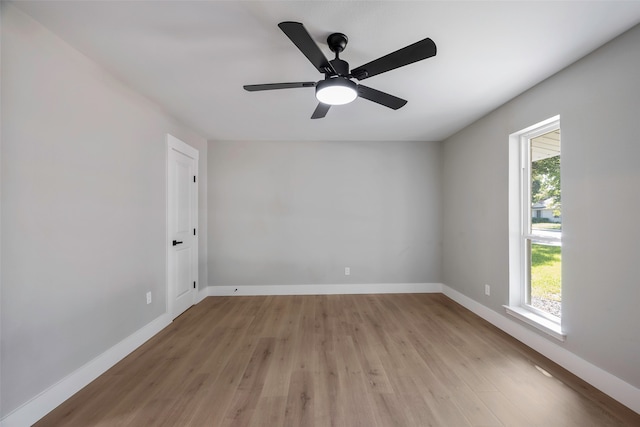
column 380, row 97
column 301, row 38
column 272, row 86
column 320, row 111
column 407, row 55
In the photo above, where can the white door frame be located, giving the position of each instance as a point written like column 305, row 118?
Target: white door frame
column 175, row 144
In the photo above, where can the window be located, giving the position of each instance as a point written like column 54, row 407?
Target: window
column 535, row 222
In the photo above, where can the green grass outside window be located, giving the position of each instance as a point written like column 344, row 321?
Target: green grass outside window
column 546, row 270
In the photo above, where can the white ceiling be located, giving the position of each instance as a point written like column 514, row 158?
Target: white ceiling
column 192, row 58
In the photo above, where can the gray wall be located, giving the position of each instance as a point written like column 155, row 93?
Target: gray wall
column 83, row 209
column 299, row 212
column 598, row 99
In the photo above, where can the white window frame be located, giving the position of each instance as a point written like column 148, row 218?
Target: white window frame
column 520, row 230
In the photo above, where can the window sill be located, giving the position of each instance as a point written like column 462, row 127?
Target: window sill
column 545, row 325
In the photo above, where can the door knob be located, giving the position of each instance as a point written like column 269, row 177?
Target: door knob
column 175, row 242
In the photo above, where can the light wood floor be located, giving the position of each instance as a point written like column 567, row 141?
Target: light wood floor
column 343, row 360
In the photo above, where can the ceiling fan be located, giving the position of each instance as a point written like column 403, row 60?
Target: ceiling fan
column 338, row 88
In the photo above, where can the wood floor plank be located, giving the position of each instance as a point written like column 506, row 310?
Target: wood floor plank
column 276, row 383
column 251, row 384
column 301, row 399
column 506, row 412
column 473, row 408
column 269, row 412
column 337, row 360
column 389, row 411
column 355, row 404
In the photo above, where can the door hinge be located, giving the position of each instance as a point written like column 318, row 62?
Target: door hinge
column 194, row 285
column 194, row 231
column 194, row 178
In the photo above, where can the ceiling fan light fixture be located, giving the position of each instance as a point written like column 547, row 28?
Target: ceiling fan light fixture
column 336, row 91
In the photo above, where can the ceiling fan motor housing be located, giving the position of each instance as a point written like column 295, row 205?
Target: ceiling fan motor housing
column 341, row 67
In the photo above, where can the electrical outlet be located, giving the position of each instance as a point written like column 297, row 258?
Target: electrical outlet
column 487, row 290
column 347, row 271
column 148, row 297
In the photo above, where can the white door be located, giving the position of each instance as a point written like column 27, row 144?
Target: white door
column 182, row 233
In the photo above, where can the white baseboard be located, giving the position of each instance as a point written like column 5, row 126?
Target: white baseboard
column 202, row 294
column 45, row 402
column 335, row 289
column 611, row 385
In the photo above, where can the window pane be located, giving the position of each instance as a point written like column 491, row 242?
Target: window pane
column 545, row 290
column 546, row 201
